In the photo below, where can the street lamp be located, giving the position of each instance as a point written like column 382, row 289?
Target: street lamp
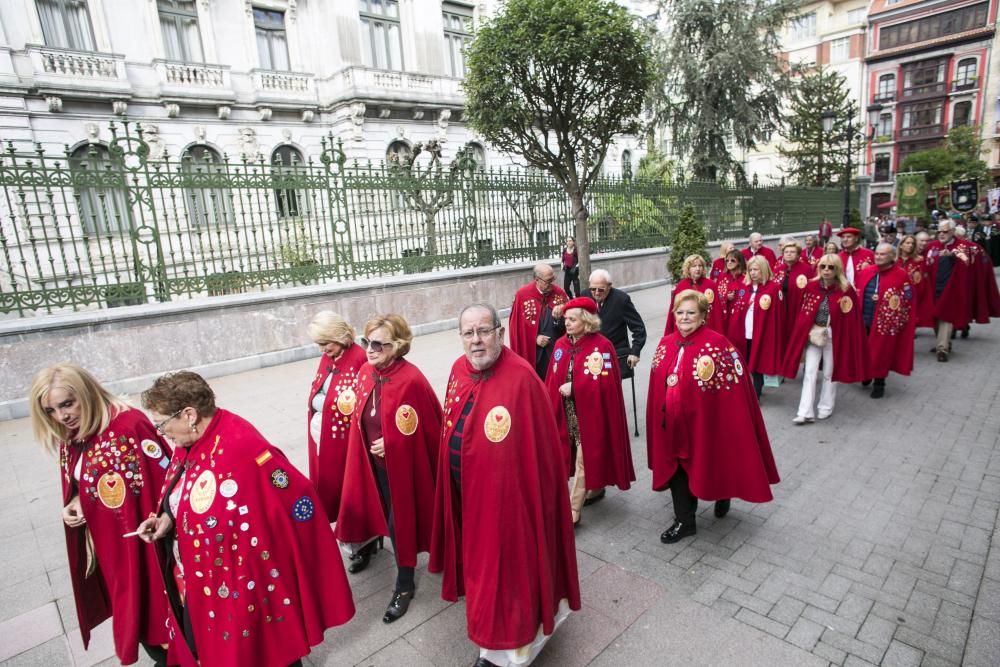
column 851, row 133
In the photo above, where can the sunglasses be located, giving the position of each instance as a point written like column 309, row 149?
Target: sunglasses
column 375, row 346
column 827, row 266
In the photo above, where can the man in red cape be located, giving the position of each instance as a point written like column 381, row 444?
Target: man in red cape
column 757, row 247
column 949, row 265
column 536, row 318
column 598, row 406
column 501, row 466
column 985, row 295
column 262, row 576
column 889, row 315
column 854, row 256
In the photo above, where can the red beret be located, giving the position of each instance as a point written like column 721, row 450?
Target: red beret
column 849, row 230
column 582, row 302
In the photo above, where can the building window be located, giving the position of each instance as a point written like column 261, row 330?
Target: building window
column 99, row 189
column 932, row 27
column 457, row 34
column 381, row 39
column 179, row 25
column 884, row 126
column 882, row 171
column 206, row 206
column 886, row 88
column 478, row 155
column 922, row 119
column 965, row 73
column 288, row 163
column 66, row 24
column 840, row 49
column 802, row 27
column 856, row 16
column 272, row 43
column 962, row 114
column 627, row 164
column 924, row 78
column 803, row 57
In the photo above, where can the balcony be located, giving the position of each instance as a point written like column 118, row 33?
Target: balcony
column 382, row 85
column 925, row 132
column 884, row 98
column 201, row 81
column 69, row 72
column 936, row 89
column 964, row 84
column 274, row 87
column 882, row 176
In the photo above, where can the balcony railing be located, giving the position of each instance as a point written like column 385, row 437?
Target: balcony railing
column 964, row 84
column 181, row 79
column 275, row 86
column 67, row 69
column 918, row 132
column 882, row 176
column 926, row 90
column 882, row 98
column 373, row 83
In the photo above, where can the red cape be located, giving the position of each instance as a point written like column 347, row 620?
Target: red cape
column 718, row 268
column 923, row 291
column 812, row 256
column 801, row 273
column 764, row 252
column 122, row 471
column 709, row 422
column 263, row 573
column 411, row 423
column 600, row 409
column 850, row 361
column 985, row 297
column 515, row 558
column 328, row 457
column 711, row 291
column 890, row 339
column 768, row 327
column 954, row 303
column 525, row 315
column 728, row 287
column 863, row 258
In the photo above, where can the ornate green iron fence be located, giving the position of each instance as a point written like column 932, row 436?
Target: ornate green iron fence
column 106, row 226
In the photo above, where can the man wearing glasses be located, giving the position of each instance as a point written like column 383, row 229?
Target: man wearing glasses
column 948, row 263
column 503, row 533
column 619, row 318
column 536, row 318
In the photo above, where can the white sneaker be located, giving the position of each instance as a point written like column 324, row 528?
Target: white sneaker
column 799, row 421
column 824, row 415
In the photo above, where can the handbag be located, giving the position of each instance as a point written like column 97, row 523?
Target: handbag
column 819, row 335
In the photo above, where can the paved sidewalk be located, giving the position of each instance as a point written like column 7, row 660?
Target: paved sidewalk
column 876, row 549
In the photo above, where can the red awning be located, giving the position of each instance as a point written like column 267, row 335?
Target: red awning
column 888, row 204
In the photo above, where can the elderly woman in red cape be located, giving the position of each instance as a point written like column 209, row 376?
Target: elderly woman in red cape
column 503, row 536
column 812, row 251
column 331, row 404
column 250, row 578
column 911, row 261
column 697, row 377
column 585, row 388
column 693, row 277
column 112, row 464
column 888, row 314
column 756, row 322
column 792, row 274
column 391, row 457
column 828, row 328
column 719, row 263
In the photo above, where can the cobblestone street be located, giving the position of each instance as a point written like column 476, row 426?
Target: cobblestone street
column 879, row 548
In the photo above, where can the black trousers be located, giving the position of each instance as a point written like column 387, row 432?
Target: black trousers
column 756, row 378
column 685, row 504
column 572, row 277
column 404, row 575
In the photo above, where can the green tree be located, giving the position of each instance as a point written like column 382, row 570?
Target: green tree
column 938, row 164
column 554, row 81
column 688, row 238
column 959, row 158
column 721, row 78
column 814, row 158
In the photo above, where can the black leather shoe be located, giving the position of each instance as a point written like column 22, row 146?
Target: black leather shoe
column 398, row 605
column 865, row 383
column 677, row 532
column 965, row 333
column 722, row 507
column 878, row 391
column 360, row 561
column 942, row 356
column 483, row 662
column 597, row 497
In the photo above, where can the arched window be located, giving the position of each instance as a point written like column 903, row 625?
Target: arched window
column 207, row 203
column 886, row 88
column 398, row 152
column 478, row 154
column 288, row 164
column 965, row 74
column 99, row 189
column 962, row 115
column 626, row 164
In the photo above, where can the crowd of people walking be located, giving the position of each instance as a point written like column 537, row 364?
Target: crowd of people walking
column 206, row 546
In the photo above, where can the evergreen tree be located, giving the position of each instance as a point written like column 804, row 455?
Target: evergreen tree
column 815, row 157
column 689, row 238
column 721, row 78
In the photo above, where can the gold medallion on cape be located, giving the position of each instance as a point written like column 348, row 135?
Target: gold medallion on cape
column 704, row 368
column 894, row 302
column 111, row 490
column 203, row 492
column 497, row 424
column 406, row 419
column 710, row 296
column 346, row 401
column 846, row 305
column 801, row 281
column 595, row 363
column 765, row 302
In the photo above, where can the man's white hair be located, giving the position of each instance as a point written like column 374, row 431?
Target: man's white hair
column 600, row 274
column 756, row 235
column 945, row 225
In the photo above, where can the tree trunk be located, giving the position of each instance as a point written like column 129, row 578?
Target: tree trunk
column 580, row 215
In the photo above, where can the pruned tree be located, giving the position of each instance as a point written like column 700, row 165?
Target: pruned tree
column 554, row 81
column 960, row 157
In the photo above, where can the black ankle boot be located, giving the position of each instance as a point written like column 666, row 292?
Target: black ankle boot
column 398, row 605
column 364, row 556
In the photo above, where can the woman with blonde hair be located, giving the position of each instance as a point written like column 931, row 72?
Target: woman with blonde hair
column 909, row 258
column 828, row 328
column 331, row 404
column 112, row 465
column 756, row 322
column 719, row 263
column 391, row 458
column 693, row 277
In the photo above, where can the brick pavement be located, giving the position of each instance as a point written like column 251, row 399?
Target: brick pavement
column 880, row 546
